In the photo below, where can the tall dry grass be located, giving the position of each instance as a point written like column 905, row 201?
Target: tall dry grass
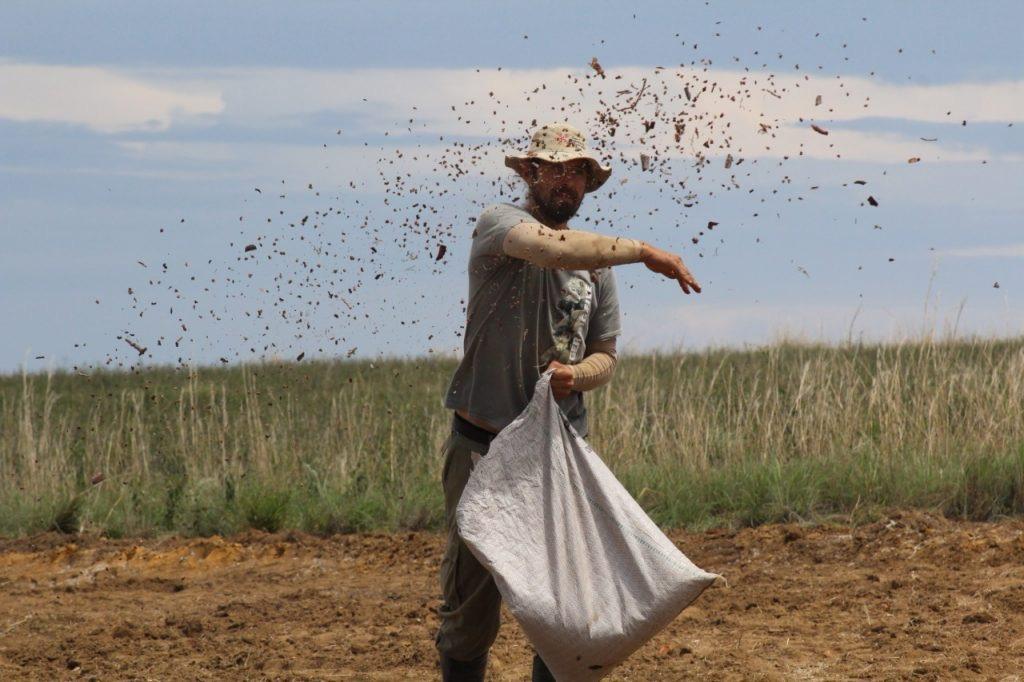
column 789, row 431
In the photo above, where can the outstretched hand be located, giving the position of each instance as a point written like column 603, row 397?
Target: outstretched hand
column 670, row 265
column 561, row 379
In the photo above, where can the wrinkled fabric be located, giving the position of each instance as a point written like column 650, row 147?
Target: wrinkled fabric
column 588, row 575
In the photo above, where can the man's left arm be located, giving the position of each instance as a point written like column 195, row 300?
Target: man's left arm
column 598, row 365
column 593, row 371
column 596, row 368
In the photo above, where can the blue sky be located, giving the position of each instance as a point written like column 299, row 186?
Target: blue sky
column 118, row 120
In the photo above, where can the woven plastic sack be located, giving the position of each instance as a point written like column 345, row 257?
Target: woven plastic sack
column 584, row 570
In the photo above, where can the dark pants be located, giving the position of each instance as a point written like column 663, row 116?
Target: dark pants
column 471, row 612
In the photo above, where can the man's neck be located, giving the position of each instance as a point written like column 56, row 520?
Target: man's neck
column 531, row 207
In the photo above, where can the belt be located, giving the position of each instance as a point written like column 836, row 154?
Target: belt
column 471, row 430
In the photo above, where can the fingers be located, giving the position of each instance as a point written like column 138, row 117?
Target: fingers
column 670, row 265
column 564, row 386
column 686, row 280
column 561, row 382
column 692, row 281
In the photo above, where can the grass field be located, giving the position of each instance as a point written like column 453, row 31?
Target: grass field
column 781, row 433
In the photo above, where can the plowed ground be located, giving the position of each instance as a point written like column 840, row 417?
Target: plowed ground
column 913, row 597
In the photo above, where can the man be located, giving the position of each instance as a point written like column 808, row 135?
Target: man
column 541, row 295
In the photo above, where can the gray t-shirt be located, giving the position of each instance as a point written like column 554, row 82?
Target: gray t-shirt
column 521, row 316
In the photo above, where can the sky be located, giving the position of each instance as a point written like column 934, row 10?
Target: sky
column 146, row 144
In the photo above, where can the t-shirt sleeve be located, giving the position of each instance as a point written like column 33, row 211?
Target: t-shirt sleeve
column 492, row 226
column 605, row 322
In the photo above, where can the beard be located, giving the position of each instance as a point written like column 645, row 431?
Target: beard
column 561, row 205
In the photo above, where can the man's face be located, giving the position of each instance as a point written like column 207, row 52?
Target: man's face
column 558, row 188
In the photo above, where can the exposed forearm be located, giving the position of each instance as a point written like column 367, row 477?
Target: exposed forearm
column 569, row 249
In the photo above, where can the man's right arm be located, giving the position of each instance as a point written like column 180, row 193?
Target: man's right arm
column 579, row 250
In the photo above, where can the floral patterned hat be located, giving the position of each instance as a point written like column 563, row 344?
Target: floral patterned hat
column 558, row 142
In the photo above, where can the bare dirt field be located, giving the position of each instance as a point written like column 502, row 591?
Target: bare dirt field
column 912, row 597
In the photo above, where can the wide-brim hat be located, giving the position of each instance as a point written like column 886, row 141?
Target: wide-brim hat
column 559, row 142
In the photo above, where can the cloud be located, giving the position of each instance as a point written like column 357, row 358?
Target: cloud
column 1003, row 251
column 366, row 168
column 102, row 99
column 489, row 102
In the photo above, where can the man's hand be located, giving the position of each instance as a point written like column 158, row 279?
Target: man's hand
column 670, row 265
column 561, row 379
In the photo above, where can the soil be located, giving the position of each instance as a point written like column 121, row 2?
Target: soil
column 914, row 596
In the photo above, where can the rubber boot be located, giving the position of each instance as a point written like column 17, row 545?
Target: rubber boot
column 463, row 671
column 540, row 671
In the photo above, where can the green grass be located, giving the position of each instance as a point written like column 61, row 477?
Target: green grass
column 720, row 437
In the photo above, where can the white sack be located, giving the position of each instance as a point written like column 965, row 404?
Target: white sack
column 584, row 570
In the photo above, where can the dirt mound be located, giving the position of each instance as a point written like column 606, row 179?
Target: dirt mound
column 912, row 597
